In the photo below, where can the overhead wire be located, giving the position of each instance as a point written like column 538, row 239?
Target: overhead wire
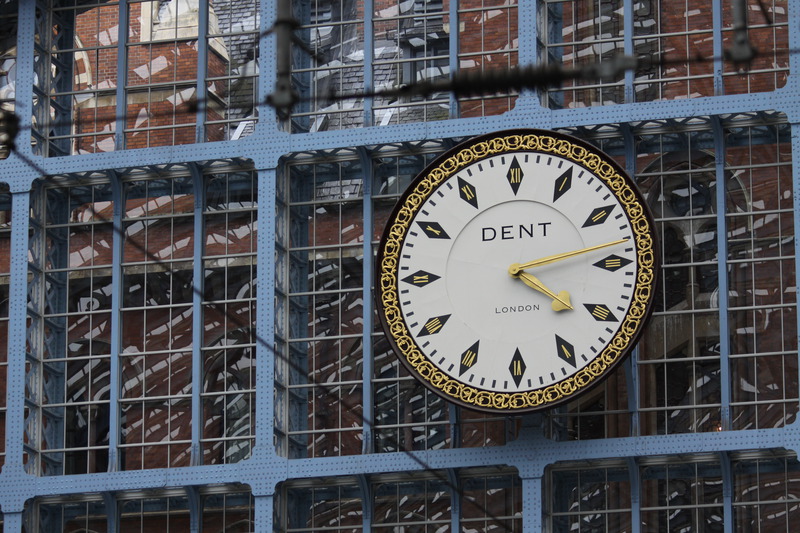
column 462, row 85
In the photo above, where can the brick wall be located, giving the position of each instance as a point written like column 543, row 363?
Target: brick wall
column 160, row 115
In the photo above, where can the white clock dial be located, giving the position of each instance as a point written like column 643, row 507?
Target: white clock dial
column 521, row 276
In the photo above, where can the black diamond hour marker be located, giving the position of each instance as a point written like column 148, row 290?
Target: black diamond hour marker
column 612, row 263
column 565, row 351
column 433, row 230
column 598, row 216
column 563, row 184
column 433, row 325
column 469, row 358
column 600, row 312
column 517, row 367
column 420, row 278
column 467, row 193
column 514, row 175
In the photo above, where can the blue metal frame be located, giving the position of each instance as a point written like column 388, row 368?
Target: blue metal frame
column 198, row 283
column 116, row 327
column 530, row 453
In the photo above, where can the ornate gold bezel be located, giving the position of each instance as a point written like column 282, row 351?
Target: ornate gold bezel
column 398, row 225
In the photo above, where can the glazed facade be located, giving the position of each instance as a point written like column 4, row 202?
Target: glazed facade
column 188, row 332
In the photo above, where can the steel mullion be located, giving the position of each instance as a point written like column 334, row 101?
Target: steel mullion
column 453, row 52
column 532, row 498
column 631, row 366
column 197, row 315
column 716, row 10
column 628, row 48
column 795, row 149
column 202, row 72
column 369, row 58
column 722, row 281
column 115, row 364
column 265, row 309
column 528, row 39
column 17, row 329
column 122, row 75
column 634, row 476
column 722, row 273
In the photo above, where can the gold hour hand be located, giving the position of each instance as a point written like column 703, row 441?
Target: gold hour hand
column 515, row 268
column 560, row 300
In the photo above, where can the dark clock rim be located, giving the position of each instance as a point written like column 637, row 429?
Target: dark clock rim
column 410, row 189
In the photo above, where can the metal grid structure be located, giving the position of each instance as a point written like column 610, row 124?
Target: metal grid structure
column 152, row 188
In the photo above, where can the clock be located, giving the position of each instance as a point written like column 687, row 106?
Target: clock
column 516, row 271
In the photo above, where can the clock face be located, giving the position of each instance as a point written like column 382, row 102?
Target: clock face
column 516, row 271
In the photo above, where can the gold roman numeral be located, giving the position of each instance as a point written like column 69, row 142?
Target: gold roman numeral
column 565, row 351
column 563, row 184
column 514, row 175
column 467, row 192
column 612, row 263
column 468, row 359
column 598, row 216
column 517, row 367
column 600, row 312
column 433, row 325
column 420, row 278
column 434, row 230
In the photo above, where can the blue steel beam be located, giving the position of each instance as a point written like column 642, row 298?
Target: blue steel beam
column 532, row 498
column 112, row 513
column 265, row 308
column 367, row 501
column 630, row 364
column 366, row 295
column 122, row 77
column 266, row 147
column 266, row 150
column 456, row 491
column 796, row 220
column 716, row 17
column 369, row 57
column 452, row 52
column 198, row 286
column 115, row 366
column 195, row 509
column 628, row 49
column 17, row 318
column 202, row 70
column 722, row 273
column 636, row 494
column 727, row 492
column 529, row 454
column 23, row 89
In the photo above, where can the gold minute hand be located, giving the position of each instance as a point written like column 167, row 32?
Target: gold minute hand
column 560, row 300
column 517, row 267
